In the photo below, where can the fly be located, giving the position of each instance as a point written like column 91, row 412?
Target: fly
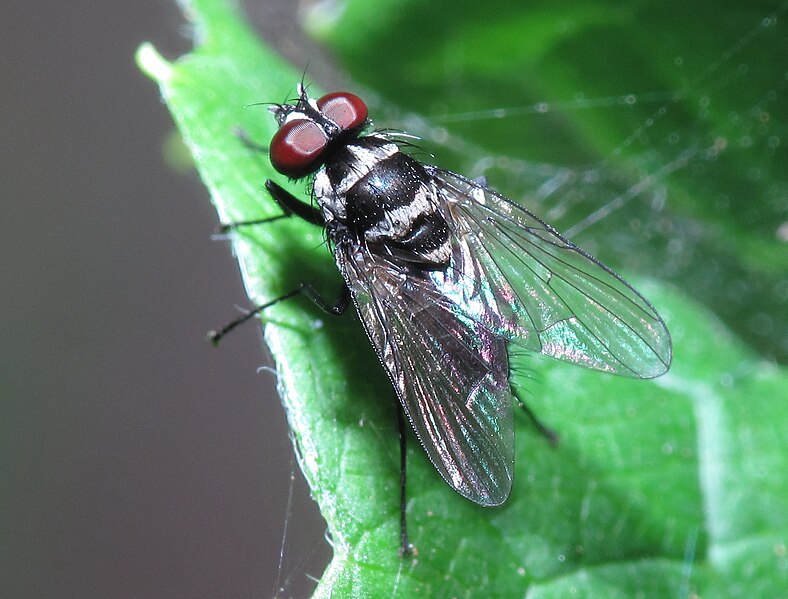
column 445, row 273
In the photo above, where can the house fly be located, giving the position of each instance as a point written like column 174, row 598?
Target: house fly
column 445, row 273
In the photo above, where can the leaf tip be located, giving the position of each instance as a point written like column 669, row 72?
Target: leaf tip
column 153, row 64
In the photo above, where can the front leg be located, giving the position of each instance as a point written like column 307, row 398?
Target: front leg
column 292, row 205
column 289, row 204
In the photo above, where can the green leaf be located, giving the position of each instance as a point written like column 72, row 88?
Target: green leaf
column 658, row 488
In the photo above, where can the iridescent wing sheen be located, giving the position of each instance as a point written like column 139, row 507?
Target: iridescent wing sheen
column 450, row 374
column 562, row 302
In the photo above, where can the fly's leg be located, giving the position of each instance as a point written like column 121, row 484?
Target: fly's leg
column 406, row 548
column 290, row 205
column 293, row 206
column 337, row 308
column 248, row 142
column 544, row 430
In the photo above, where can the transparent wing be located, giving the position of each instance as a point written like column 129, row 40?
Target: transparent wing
column 450, row 375
column 563, row 302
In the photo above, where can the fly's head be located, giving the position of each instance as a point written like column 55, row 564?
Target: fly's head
column 311, row 128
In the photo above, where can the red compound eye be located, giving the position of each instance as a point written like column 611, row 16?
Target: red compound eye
column 296, row 146
column 345, row 109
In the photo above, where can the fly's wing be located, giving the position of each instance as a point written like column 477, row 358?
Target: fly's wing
column 450, row 375
column 564, row 303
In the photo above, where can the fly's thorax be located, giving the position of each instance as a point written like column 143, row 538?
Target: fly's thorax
column 385, row 199
column 349, row 163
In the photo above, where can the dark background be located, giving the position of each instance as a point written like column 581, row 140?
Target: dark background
column 136, row 460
